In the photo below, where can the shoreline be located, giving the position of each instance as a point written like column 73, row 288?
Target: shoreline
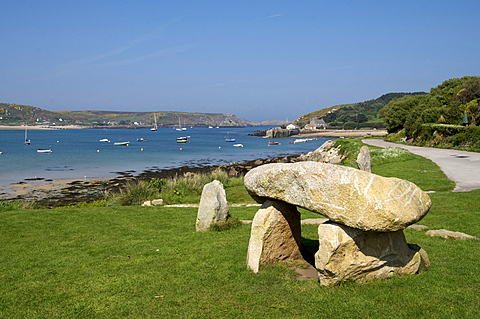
column 52, row 193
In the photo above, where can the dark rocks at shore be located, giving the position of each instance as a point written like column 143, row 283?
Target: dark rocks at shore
column 89, row 191
column 258, row 133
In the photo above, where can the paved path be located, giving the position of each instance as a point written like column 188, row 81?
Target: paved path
column 461, row 167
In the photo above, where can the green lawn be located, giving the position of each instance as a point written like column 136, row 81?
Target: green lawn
column 148, row 262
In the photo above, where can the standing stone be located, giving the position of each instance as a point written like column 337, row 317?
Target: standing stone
column 349, row 253
column 363, row 159
column 275, row 235
column 213, row 206
column 343, row 194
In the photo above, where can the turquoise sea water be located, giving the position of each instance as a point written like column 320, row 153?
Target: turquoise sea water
column 80, row 154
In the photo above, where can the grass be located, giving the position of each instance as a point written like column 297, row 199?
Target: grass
column 178, row 190
column 148, row 262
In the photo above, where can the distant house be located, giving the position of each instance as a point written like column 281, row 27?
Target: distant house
column 292, row 127
column 318, row 124
column 310, row 127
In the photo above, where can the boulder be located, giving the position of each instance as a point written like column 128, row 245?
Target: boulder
column 275, row 235
column 326, row 153
column 157, row 202
column 448, row 234
column 345, row 195
column 213, row 207
column 363, row 159
column 348, row 253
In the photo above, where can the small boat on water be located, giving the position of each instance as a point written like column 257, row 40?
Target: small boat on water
column 300, row 140
column 238, row 145
column 105, row 140
column 44, row 150
column 182, row 139
column 180, row 128
column 26, row 140
column 155, row 127
column 229, row 139
column 141, row 139
column 121, row 143
column 274, row 143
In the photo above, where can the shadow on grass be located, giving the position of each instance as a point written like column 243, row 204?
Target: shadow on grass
column 308, row 249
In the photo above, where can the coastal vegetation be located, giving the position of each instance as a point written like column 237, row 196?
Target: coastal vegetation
column 117, row 262
column 361, row 115
column 184, row 189
column 448, row 116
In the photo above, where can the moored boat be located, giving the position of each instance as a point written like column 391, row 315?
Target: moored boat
column 229, row 139
column 155, row 127
column 44, row 150
column 121, row 143
column 182, row 139
column 26, row 140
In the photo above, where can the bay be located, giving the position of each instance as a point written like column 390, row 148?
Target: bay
column 79, row 154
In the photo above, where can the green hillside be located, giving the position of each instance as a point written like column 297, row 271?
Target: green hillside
column 355, row 115
column 16, row 114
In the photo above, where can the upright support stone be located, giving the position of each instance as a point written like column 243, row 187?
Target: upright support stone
column 213, row 206
column 275, row 235
column 349, row 253
column 363, row 159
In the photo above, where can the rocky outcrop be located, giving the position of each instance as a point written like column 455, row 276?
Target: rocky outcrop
column 279, row 132
column 343, row 194
column 326, row 153
column 349, row 253
column 213, row 207
column 275, row 236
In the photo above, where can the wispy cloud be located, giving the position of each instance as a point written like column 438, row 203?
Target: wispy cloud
column 160, row 53
column 123, row 54
column 275, row 16
column 96, row 60
column 225, row 83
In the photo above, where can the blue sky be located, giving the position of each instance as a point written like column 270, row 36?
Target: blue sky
column 260, row 60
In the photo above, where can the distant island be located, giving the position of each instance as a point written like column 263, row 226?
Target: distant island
column 22, row 115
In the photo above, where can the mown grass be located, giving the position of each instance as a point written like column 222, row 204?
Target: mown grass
column 148, row 262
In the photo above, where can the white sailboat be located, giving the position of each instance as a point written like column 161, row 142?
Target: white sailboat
column 180, row 128
column 155, row 127
column 26, row 140
column 228, row 138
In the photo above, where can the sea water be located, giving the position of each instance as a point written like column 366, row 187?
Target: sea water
column 80, row 154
